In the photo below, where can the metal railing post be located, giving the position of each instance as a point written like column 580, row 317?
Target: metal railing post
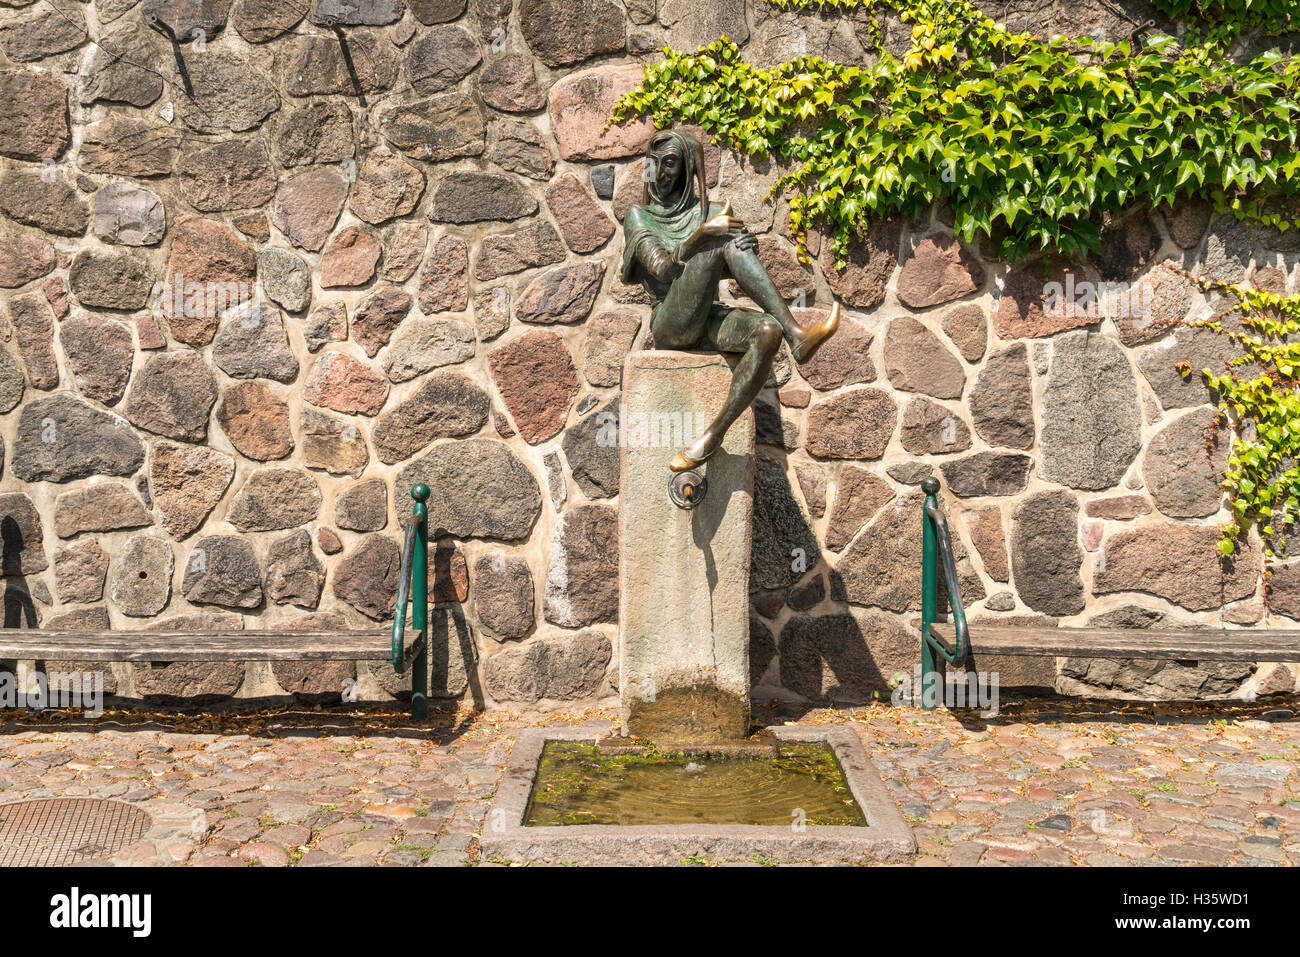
column 420, row 601
column 929, row 594
column 936, row 546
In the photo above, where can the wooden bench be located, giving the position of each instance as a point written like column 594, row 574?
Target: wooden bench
column 25, row 644
column 171, row 646
column 1165, row 644
column 394, row 643
column 1168, row 644
column 957, row 644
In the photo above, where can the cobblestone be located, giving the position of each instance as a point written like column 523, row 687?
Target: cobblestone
column 1047, row 783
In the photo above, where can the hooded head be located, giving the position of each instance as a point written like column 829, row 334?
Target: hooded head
column 676, row 167
column 676, row 198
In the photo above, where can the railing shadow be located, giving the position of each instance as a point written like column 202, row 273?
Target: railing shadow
column 443, row 726
column 1047, row 709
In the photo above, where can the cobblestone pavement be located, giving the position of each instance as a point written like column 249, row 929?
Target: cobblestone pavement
column 1046, row 782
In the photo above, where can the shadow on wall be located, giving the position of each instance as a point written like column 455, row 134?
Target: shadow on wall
column 20, row 612
column 827, row 651
column 453, row 664
column 825, row 648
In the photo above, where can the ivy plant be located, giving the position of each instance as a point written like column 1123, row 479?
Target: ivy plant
column 1271, row 16
column 1259, row 399
column 1031, row 141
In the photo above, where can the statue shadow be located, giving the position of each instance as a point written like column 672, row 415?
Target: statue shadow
column 826, row 657
column 821, row 651
column 19, row 610
column 449, row 630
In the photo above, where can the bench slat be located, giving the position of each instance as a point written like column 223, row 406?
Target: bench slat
column 1171, row 644
column 369, row 645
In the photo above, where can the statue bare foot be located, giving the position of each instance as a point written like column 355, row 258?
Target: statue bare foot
column 811, row 337
column 695, row 454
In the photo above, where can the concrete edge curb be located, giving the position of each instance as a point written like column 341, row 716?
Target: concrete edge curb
column 887, row 837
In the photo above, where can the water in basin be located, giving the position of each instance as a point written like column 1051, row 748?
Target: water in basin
column 577, row 784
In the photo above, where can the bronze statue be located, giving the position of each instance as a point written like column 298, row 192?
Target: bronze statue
column 680, row 246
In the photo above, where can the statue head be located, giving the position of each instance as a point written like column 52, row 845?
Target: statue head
column 676, row 171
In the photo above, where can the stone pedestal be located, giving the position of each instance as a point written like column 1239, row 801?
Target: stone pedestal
column 683, row 574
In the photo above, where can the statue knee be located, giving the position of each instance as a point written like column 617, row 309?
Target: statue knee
column 768, row 334
column 734, row 254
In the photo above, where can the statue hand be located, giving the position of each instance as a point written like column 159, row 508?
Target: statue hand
column 745, row 241
column 722, row 225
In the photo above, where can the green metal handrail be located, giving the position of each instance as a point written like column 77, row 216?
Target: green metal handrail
column 413, row 584
column 937, row 546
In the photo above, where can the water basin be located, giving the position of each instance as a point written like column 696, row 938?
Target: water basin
column 568, row 797
column 803, row 783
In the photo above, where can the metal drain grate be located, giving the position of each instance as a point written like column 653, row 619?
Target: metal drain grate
column 47, row 833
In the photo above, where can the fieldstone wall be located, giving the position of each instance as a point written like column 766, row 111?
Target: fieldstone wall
column 248, row 298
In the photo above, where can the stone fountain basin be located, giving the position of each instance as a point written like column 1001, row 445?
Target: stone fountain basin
column 885, row 838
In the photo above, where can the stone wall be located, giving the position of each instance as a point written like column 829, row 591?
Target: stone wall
column 428, row 229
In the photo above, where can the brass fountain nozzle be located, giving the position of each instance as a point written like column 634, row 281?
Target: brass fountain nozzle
column 687, row 489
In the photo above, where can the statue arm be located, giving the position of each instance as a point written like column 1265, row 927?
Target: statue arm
column 649, row 250
column 659, row 261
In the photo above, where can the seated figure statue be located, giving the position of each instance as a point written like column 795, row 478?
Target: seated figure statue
column 680, row 246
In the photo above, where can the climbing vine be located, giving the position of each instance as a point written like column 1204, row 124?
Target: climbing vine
column 1259, row 398
column 1029, row 141
column 1272, row 16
